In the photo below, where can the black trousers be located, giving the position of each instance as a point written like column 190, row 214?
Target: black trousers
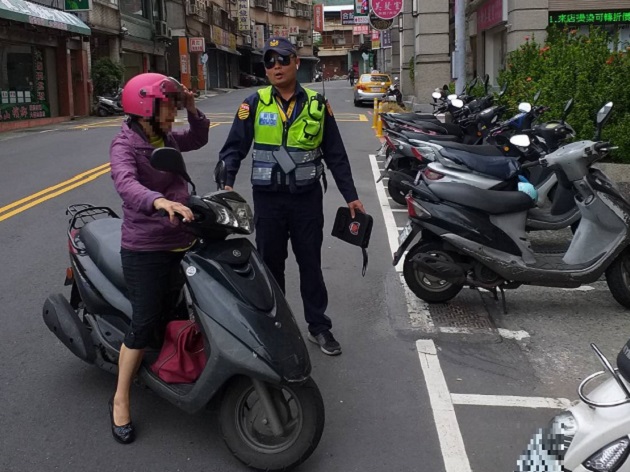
column 154, row 282
column 281, row 216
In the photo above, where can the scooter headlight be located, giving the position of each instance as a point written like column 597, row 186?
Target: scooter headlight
column 243, row 214
column 610, row 457
column 237, row 215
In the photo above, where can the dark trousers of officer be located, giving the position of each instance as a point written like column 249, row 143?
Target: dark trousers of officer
column 281, row 216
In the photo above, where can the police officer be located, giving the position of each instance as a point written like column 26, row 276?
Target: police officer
column 294, row 134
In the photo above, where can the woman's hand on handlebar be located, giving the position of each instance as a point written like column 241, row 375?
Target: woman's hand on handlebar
column 173, row 209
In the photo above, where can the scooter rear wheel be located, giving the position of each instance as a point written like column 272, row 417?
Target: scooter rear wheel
column 427, row 287
column 396, row 192
column 618, row 279
column 247, row 432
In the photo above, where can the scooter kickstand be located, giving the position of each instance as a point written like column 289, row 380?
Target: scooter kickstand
column 503, row 300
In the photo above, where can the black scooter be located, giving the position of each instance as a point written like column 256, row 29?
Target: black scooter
column 107, row 106
column 271, row 411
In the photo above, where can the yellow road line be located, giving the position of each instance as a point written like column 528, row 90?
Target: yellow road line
column 362, row 117
column 54, row 187
column 68, row 185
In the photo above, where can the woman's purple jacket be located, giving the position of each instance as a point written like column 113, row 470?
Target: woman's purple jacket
column 140, row 185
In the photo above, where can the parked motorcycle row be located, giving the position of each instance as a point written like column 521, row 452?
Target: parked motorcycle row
column 474, row 186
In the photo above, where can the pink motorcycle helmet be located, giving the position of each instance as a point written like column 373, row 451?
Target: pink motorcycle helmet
column 140, row 94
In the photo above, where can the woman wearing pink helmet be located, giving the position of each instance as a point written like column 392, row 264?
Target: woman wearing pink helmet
column 151, row 246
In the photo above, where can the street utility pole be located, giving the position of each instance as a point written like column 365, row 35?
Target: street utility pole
column 460, row 46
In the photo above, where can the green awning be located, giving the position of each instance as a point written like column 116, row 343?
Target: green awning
column 39, row 15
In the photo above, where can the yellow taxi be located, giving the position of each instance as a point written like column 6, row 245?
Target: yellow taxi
column 371, row 86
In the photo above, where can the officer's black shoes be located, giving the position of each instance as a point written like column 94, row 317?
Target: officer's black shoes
column 327, row 343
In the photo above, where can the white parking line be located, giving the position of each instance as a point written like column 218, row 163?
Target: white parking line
column 443, row 405
column 390, row 222
column 418, row 310
column 510, row 401
column 449, row 434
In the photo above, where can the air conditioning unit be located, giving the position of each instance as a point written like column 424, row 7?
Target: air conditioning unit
column 300, row 44
column 286, row 11
column 339, row 41
column 162, row 30
column 192, row 8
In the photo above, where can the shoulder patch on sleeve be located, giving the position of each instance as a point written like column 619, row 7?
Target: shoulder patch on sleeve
column 243, row 111
column 329, row 108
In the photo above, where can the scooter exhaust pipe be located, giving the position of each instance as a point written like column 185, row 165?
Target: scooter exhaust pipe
column 445, row 270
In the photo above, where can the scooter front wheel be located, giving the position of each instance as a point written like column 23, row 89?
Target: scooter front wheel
column 277, row 440
column 428, row 287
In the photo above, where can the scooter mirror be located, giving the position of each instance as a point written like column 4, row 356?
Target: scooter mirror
column 604, row 113
column 457, row 103
column 220, row 174
column 503, row 89
column 537, row 96
column 520, row 140
column 170, row 160
column 567, row 108
column 452, row 96
column 436, row 95
column 524, row 107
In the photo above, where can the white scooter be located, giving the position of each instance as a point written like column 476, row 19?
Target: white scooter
column 592, row 435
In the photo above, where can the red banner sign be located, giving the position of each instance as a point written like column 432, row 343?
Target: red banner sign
column 318, row 17
column 489, row 14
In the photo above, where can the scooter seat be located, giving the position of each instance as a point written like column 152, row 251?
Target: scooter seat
column 480, row 149
column 486, row 160
column 495, row 202
column 102, row 243
column 450, row 128
column 430, row 137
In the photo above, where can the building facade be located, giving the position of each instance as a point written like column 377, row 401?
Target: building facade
column 43, row 65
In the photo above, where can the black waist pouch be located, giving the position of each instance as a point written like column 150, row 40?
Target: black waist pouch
column 355, row 231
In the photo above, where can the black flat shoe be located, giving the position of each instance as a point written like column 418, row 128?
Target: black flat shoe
column 125, row 434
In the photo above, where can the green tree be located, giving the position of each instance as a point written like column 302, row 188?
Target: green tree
column 107, row 76
column 568, row 65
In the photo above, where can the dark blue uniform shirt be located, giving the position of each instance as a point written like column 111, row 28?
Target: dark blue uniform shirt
column 241, row 136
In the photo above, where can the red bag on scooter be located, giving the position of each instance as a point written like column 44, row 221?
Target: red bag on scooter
column 182, row 357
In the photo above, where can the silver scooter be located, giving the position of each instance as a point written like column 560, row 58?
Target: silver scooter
column 594, row 433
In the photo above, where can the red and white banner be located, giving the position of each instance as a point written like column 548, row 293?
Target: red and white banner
column 387, row 9
column 360, row 29
column 196, row 45
column 347, row 17
column 318, row 17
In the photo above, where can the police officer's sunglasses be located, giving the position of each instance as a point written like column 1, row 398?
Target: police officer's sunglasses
column 283, row 60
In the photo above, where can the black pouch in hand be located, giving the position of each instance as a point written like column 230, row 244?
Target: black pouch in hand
column 355, row 231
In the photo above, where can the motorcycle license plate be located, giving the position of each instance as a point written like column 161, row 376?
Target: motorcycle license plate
column 402, row 237
column 389, row 161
